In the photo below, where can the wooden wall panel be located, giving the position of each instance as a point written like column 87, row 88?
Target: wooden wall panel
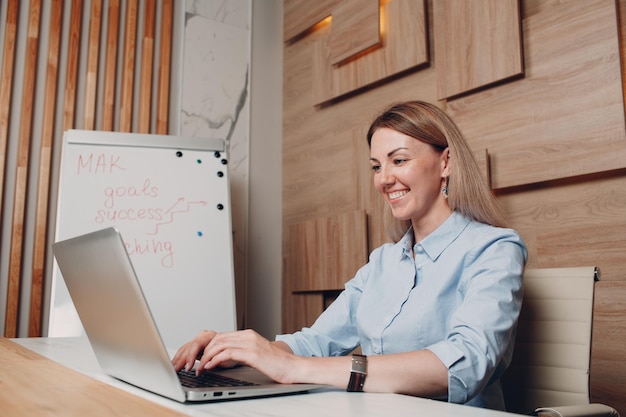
column 326, row 250
column 477, row 43
column 583, row 222
column 607, row 377
column 310, row 306
column 311, row 196
column 368, row 197
column 543, row 132
column 482, row 158
column 621, row 22
column 566, row 117
column 403, row 20
column 301, row 15
column 572, row 246
column 322, row 173
column 355, row 29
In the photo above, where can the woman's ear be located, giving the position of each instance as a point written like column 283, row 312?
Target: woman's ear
column 445, row 162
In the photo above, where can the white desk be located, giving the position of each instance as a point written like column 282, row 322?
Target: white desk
column 76, row 354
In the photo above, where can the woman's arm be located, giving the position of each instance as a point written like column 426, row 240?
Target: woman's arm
column 418, row 373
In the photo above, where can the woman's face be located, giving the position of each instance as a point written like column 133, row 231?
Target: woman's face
column 409, row 175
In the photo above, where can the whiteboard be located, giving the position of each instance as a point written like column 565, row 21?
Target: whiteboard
column 169, row 198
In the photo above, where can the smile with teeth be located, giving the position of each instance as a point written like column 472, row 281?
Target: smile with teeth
column 396, row 194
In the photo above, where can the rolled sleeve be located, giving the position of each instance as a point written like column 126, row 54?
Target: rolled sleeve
column 479, row 344
column 334, row 333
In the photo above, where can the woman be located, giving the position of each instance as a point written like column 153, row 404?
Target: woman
column 435, row 312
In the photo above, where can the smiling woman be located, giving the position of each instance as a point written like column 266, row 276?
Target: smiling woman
column 462, row 183
column 434, row 314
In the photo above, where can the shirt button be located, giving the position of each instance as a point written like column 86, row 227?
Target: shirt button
column 419, row 266
column 419, row 248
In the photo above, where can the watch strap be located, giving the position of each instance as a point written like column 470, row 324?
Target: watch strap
column 358, row 372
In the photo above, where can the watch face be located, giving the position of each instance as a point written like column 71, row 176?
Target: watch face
column 359, row 364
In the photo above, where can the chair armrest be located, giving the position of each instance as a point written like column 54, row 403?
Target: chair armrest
column 584, row 410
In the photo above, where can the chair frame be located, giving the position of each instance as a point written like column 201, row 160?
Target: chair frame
column 551, row 362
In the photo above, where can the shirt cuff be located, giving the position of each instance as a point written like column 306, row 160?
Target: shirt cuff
column 290, row 341
column 449, row 354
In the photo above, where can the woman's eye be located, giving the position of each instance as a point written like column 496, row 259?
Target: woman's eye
column 375, row 168
column 399, row 161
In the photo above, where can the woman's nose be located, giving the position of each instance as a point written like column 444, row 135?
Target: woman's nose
column 386, row 177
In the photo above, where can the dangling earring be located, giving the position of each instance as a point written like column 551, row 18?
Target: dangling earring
column 444, row 190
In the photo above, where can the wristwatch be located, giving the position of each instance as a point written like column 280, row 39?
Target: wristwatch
column 358, row 372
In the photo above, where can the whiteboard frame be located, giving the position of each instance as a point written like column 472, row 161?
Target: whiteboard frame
column 137, row 140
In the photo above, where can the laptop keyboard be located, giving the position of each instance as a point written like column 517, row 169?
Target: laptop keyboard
column 189, row 379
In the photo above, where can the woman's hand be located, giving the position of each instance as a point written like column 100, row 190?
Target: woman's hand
column 212, row 349
column 188, row 353
column 247, row 347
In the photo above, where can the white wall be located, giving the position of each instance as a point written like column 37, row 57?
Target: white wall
column 231, row 88
column 265, row 210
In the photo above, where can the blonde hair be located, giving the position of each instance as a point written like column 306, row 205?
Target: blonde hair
column 468, row 192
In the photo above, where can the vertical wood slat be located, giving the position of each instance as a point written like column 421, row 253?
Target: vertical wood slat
column 147, row 63
column 163, row 92
column 86, row 83
column 108, row 106
column 128, row 68
column 6, row 83
column 91, row 82
column 45, row 160
column 21, row 181
column 71, row 78
column 621, row 30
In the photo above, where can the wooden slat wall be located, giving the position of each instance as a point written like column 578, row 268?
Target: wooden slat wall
column 60, row 95
column 128, row 67
column 163, row 88
column 147, row 68
column 45, row 169
column 21, row 177
column 108, row 106
column 92, row 64
column 8, row 58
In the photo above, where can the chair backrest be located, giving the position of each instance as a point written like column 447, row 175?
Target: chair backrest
column 552, row 354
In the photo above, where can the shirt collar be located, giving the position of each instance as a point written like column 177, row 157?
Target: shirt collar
column 436, row 242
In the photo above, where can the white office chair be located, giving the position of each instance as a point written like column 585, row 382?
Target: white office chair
column 549, row 374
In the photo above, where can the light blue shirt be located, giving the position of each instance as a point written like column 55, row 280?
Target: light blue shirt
column 459, row 298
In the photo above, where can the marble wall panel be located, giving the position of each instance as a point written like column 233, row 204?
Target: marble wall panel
column 215, row 99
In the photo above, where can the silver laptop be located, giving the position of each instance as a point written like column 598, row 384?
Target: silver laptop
column 125, row 339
